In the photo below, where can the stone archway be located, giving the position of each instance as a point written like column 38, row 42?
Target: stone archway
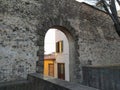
column 66, row 28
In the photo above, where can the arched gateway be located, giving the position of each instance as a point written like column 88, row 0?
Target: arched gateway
column 65, row 27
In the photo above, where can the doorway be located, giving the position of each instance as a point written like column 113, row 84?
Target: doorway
column 64, row 54
column 61, row 71
column 51, row 70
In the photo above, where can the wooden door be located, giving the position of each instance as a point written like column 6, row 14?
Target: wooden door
column 51, row 70
column 61, row 71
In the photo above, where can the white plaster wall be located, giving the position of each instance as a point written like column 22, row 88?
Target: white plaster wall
column 64, row 56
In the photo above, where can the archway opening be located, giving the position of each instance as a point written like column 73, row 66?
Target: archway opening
column 59, row 62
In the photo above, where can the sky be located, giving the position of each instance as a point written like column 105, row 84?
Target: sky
column 92, row 2
column 87, row 1
column 50, row 41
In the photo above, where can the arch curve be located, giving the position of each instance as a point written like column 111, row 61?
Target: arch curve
column 64, row 26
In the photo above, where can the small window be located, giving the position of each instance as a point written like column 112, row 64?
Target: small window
column 59, row 47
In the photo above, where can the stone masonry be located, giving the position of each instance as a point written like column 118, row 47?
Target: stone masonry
column 24, row 23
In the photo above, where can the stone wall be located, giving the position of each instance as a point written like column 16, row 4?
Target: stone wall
column 40, row 82
column 24, row 23
column 37, row 82
column 17, row 43
column 103, row 77
column 98, row 41
column 17, row 48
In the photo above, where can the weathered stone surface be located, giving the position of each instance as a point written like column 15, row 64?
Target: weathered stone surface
column 49, row 83
column 104, row 77
column 38, row 82
column 23, row 24
column 17, row 43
